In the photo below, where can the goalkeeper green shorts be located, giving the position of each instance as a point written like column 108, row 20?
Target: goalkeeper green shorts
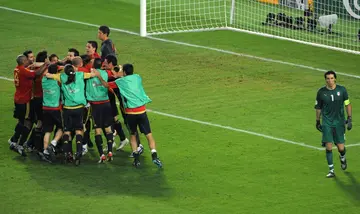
column 333, row 134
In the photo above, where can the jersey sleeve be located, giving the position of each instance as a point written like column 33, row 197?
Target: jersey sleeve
column 57, row 77
column 87, row 75
column 346, row 97
column 318, row 101
column 29, row 74
column 112, row 85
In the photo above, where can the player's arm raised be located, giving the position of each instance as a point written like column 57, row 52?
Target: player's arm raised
column 42, row 69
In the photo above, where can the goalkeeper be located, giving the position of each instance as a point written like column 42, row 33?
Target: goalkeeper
column 330, row 101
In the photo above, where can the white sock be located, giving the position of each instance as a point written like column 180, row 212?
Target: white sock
column 46, row 152
column 54, row 142
column 153, row 151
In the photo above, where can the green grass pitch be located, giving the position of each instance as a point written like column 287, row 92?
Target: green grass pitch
column 207, row 169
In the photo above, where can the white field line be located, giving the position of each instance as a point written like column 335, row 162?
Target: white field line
column 221, row 126
column 202, row 47
column 182, row 43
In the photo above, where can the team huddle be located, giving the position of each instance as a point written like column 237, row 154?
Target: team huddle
column 69, row 97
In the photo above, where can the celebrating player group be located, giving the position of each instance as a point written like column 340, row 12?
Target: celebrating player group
column 64, row 97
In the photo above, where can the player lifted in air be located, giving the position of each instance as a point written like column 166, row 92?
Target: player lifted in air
column 330, row 101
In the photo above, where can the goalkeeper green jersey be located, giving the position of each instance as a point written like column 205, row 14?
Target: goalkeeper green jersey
column 331, row 103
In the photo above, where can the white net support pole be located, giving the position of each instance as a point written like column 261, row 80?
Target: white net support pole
column 143, row 31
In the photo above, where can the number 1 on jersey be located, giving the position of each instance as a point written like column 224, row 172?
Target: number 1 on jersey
column 332, row 97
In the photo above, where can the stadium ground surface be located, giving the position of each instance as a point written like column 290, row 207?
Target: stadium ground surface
column 208, row 169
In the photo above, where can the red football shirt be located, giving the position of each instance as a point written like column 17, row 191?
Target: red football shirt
column 23, row 80
column 84, row 69
column 37, row 88
column 95, row 55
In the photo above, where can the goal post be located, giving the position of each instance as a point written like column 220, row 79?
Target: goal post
column 332, row 24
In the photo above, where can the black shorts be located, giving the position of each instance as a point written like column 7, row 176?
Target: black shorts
column 86, row 116
column 138, row 120
column 37, row 104
column 52, row 118
column 114, row 107
column 24, row 112
column 73, row 119
column 101, row 114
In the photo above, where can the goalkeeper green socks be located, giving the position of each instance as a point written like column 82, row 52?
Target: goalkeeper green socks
column 329, row 158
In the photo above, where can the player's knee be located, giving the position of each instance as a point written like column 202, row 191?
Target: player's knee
column 108, row 130
column 328, row 151
column 98, row 131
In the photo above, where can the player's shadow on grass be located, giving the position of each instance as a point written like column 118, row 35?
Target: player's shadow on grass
column 93, row 179
column 352, row 188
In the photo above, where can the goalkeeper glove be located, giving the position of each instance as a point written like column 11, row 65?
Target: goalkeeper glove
column 349, row 123
column 318, row 125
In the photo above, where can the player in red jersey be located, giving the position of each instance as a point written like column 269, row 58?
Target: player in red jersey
column 91, row 49
column 30, row 56
column 23, row 80
column 36, row 104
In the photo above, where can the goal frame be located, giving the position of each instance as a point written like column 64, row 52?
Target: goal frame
column 228, row 25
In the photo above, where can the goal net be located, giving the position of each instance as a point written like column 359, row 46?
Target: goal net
column 333, row 24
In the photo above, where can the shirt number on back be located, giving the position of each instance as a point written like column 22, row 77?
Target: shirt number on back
column 16, row 78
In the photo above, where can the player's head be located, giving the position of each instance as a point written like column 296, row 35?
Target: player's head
column 53, row 68
column 86, row 59
column 77, row 62
column 29, row 55
column 330, row 78
column 97, row 63
column 72, row 52
column 53, row 58
column 128, row 69
column 103, row 32
column 21, row 60
column 70, row 72
column 110, row 61
column 91, row 47
column 41, row 56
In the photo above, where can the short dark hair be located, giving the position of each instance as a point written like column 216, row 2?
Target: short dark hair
column 76, row 52
column 41, row 56
column 111, row 58
column 128, row 69
column 53, row 68
column 330, row 72
column 27, row 52
column 86, row 59
column 94, row 44
column 52, row 56
column 105, row 29
column 97, row 63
